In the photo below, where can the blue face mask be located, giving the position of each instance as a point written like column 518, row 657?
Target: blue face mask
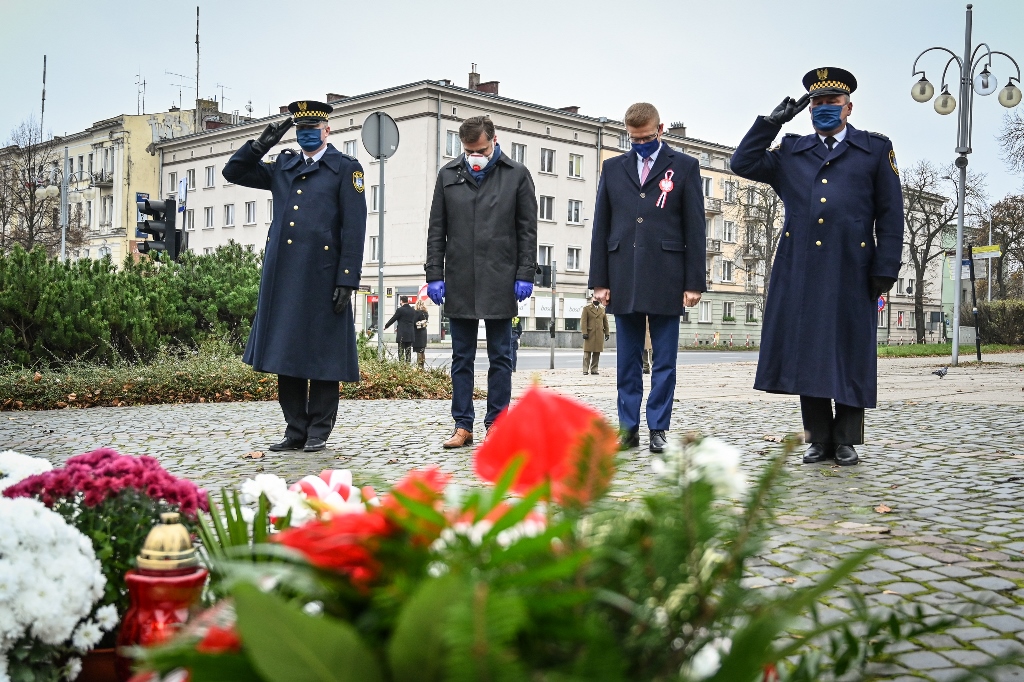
column 647, row 148
column 826, row 117
column 308, row 139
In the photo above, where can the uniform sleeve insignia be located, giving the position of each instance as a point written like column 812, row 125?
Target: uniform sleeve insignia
column 357, row 181
column 892, row 161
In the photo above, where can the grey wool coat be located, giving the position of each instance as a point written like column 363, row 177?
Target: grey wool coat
column 482, row 237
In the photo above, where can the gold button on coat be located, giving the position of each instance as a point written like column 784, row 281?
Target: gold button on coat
column 824, row 181
column 822, row 201
column 298, row 191
column 289, row 241
column 346, row 272
column 639, row 220
column 296, row 206
column 643, row 195
column 291, row 224
column 862, row 245
column 787, row 234
column 326, row 247
column 817, row 243
column 303, row 177
column 820, row 221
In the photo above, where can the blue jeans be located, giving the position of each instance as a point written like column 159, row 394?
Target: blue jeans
column 499, row 375
column 630, row 335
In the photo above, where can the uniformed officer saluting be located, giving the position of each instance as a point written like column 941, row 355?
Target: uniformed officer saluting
column 839, row 251
column 304, row 330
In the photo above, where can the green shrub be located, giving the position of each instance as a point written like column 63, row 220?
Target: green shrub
column 1000, row 321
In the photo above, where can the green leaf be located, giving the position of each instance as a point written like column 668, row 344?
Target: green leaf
column 260, row 528
column 286, row 645
column 508, row 477
column 423, row 511
column 416, row 650
column 519, row 511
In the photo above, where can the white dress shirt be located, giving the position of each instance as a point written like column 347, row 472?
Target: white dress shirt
column 316, row 157
column 840, row 136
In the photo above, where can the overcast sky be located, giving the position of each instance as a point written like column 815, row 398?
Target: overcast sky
column 713, row 64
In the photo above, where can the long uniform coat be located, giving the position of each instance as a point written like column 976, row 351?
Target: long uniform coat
column 844, row 223
column 405, row 315
column 315, row 243
column 482, row 237
column 649, row 252
column 420, row 341
column 594, row 324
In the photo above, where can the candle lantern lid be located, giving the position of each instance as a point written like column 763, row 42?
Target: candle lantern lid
column 168, row 546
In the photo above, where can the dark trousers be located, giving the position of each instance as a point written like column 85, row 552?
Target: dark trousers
column 310, row 406
column 499, row 374
column 631, row 334
column 515, row 353
column 845, row 427
column 405, row 351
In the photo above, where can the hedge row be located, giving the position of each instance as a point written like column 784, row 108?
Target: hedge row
column 87, row 310
column 1000, row 321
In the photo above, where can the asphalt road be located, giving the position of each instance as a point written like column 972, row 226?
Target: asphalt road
column 569, row 358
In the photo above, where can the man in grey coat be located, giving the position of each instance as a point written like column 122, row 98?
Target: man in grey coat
column 481, row 260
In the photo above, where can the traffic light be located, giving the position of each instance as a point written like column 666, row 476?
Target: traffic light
column 160, row 221
column 543, row 277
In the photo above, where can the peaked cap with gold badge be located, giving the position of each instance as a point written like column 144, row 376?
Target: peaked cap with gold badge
column 308, row 112
column 829, row 80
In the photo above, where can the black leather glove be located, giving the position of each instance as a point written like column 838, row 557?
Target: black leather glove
column 789, row 108
column 342, row 299
column 271, row 136
column 585, row 337
column 880, row 285
column 606, row 337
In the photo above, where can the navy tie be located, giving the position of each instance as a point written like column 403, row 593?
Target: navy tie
column 830, row 142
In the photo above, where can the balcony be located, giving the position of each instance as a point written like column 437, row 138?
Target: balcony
column 753, row 251
column 753, row 212
column 712, row 205
column 714, row 246
column 103, row 178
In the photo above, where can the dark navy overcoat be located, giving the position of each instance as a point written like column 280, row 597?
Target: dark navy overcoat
column 647, row 253
column 844, row 223
column 315, row 243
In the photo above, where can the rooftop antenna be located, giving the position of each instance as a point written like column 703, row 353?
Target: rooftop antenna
column 42, row 110
column 223, row 99
column 248, row 108
column 199, row 116
column 181, row 84
column 140, row 95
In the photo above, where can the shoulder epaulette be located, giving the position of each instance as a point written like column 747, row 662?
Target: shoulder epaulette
column 793, row 135
column 877, row 135
column 288, row 151
column 350, row 158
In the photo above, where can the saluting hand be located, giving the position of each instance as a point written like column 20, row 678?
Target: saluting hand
column 342, row 299
column 271, row 136
column 789, row 108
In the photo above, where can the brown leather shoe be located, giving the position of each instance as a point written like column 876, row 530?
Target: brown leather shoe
column 460, row 437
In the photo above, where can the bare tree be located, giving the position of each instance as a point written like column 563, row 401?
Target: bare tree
column 27, row 162
column 762, row 213
column 1008, row 231
column 1011, row 139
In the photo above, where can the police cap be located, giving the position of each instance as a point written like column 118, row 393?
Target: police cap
column 307, row 112
column 829, row 80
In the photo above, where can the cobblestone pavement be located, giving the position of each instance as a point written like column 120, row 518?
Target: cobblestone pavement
column 945, row 455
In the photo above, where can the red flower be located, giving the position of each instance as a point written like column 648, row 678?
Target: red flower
column 220, row 641
column 345, row 544
column 563, row 441
column 425, row 486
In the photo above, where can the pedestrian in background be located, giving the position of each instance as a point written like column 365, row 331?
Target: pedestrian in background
column 594, row 325
column 647, row 349
column 841, row 249
column 647, row 262
column 406, row 317
column 304, row 331
column 517, row 333
column 419, row 345
column 481, row 260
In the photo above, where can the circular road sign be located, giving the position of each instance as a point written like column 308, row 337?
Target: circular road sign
column 380, row 135
column 881, row 302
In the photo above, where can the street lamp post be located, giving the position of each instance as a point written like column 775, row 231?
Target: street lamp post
column 982, row 83
column 59, row 180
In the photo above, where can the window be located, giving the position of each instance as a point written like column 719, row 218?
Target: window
column 751, row 196
column 547, row 160
column 207, row 250
column 190, row 219
column 229, row 215
column 729, row 231
column 706, row 183
column 727, row 308
column 349, row 147
column 208, row 217
column 81, row 164
column 172, row 184
column 250, row 213
column 106, row 159
column 519, row 152
column 374, row 252
column 88, row 215
column 623, row 141
column 575, row 166
column 705, row 311
column 727, row 269
column 572, row 258
column 209, row 177
column 910, row 286
column 751, row 312
column 546, row 207
column 705, row 160
column 270, row 210
column 912, row 323
column 730, row 192
column 881, row 319
column 543, row 255
column 452, row 145
column 190, row 175
column 899, row 319
column 899, row 285
column 374, row 198
column 85, row 253
column 575, row 208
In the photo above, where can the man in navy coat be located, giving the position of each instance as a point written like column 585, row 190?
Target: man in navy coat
column 647, row 263
column 840, row 249
column 304, row 330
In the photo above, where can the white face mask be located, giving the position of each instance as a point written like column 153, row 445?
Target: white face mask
column 478, row 161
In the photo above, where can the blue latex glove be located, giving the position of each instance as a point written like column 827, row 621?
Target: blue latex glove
column 435, row 291
column 523, row 290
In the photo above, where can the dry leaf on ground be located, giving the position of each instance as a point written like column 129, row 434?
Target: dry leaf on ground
column 789, row 581
column 253, row 455
column 882, row 509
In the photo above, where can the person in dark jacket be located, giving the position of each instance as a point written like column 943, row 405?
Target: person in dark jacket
column 405, row 315
column 304, row 330
column 481, row 259
column 840, row 249
column 647, row 262
column 419, row 345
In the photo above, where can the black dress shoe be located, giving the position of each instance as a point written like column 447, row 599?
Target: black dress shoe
column 314, row 444
column 846, row 456
column 629, row 440
column 818, row 452
column 658, row 441
column 288, row 444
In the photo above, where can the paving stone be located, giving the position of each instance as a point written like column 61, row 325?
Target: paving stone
column 1004, row 623
column 923, row 660
column 875, row 577
column 954, row 571
column 1000, row 647
column 966, row 657
column 969, row 634
column 946, row 674
column 991, row 583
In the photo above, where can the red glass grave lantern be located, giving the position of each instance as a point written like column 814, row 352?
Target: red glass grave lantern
column 163, row 589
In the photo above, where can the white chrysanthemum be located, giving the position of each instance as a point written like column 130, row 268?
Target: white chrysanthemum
column 15, row 467
column 106, row 617
column 87, row 635
column 73, row 669
column 281, row 499
column 708, row 660
column 711, row 460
